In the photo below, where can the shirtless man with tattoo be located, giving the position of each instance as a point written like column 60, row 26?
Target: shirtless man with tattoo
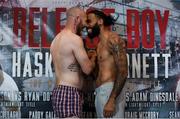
column 112, row 63
column 70, row 59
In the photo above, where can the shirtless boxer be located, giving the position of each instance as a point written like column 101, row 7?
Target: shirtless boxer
column 69, row 58
column 112, row 63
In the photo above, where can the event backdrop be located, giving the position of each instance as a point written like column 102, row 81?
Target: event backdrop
column 151, row 29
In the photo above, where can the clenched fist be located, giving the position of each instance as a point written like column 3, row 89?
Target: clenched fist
column 109, row 108
column 92, row 54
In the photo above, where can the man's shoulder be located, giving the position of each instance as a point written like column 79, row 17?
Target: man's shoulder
column 67, row 36
column 76, row 37
column 77, row 40
column 115, row 38
column 116, row 41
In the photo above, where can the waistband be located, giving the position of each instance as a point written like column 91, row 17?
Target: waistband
column 105, row 86
column 67, row 88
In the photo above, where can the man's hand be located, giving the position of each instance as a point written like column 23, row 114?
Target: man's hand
column 92, row 54
column 109, row 108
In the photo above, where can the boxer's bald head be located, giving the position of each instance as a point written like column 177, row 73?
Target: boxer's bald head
column 75, row 11
column 78, row 17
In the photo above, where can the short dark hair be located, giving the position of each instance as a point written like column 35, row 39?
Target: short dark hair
column 108, row 19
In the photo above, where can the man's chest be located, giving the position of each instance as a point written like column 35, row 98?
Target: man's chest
column 103, row 52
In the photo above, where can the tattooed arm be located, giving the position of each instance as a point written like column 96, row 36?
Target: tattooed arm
column 117, row 49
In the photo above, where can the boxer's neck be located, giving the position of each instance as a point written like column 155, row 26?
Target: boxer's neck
column 71, row 25
column 104, row 33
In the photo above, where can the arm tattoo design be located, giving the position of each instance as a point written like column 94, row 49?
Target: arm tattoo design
column 115, row 49
column 119, row 54
column 74, row 67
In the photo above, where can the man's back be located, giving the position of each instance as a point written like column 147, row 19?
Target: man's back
column 66, row 66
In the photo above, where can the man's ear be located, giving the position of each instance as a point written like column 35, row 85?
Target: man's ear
column 77, row 20
column 100, row 22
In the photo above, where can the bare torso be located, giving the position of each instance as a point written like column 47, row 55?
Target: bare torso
column 107, row 70
column 67, row 69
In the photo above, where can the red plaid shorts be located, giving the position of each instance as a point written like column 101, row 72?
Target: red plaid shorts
column 67, row 101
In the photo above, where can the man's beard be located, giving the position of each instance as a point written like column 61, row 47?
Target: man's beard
column 79, row 29
column 95, row 31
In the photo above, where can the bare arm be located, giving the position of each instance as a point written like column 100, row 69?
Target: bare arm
column 117, row 48
column 82, row 58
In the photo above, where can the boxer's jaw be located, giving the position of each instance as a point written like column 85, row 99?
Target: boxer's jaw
column 78, row 31
column 93, row 31
column 79, row 28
